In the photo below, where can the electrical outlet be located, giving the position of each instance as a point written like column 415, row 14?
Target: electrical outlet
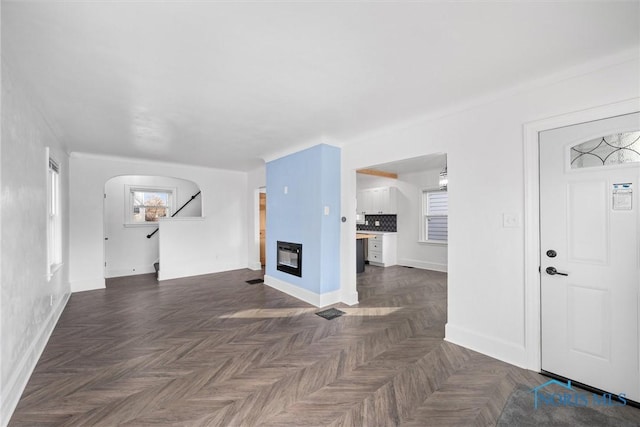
column 366, row 223
column 377, row 223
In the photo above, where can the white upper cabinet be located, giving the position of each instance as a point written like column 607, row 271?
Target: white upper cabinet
column 378, row 201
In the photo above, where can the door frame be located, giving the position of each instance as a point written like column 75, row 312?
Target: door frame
column 254, row 250
column 532, row 314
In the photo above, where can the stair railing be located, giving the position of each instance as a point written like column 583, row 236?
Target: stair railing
column 176, row 212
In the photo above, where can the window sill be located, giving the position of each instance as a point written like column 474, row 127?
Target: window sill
column 52, row 270
column 433, row 242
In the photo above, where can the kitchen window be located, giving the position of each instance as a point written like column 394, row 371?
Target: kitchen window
column 434, row 219
column 147, row 205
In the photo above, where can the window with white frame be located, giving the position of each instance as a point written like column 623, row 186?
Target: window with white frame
column 54, row 220
column 148, row 205
column 435, row 210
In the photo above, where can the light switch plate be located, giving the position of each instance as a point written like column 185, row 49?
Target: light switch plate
column 326, row 210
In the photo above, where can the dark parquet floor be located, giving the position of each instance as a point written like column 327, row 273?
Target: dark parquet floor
column 214, row 350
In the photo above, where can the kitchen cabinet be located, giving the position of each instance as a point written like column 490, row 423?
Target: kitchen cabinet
column 383, row 249
column 362, row 202
column 377, row 201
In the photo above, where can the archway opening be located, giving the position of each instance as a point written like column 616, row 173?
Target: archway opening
column 133, row 206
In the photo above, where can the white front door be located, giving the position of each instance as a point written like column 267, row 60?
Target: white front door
column 589, row 227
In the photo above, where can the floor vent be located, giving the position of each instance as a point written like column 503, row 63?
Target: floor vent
column 255, row 281
column 331, row 313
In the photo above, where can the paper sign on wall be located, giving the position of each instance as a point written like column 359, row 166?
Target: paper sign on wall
column 622, row 196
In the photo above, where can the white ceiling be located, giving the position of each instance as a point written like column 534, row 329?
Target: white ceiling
column 223, row 84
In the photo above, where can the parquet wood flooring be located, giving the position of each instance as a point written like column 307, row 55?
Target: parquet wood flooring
column 215, row 351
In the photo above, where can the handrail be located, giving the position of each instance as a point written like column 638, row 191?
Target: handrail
column 176, row 212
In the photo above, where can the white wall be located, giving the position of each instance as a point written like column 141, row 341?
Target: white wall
column 186, row 249
column 364, row 182
column 430, row 256
column 128, row 251
column 484, row 146
column 224, row 207
column 29, row 304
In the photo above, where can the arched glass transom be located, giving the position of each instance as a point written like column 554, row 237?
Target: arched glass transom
column 607, row 150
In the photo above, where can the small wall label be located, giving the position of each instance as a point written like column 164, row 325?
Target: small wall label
column 622, row 196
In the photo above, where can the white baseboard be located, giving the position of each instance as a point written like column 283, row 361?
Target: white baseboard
column 330, row 298
column 87, row 284
column 319, row 300
column 170, row 272
column 12, row 390
column 350, row 298
column 255, row 266
column 121, row 272
column 497, row 348
column 423, row 265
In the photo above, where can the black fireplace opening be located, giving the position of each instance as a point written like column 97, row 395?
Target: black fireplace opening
column 290, row 258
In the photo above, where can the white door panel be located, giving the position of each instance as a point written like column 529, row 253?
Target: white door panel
column 590, row 316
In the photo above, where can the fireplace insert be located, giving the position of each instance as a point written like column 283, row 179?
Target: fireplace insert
column 290, row 258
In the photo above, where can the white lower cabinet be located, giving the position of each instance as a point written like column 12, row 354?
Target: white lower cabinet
column 383, row 249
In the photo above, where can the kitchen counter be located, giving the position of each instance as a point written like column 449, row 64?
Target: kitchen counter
column 361, row 240
column 366, row 235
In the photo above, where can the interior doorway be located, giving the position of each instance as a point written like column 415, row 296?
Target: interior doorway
column 133, row 205
column 402, row 214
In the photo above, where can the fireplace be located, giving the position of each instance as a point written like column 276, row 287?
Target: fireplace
column 290, row 258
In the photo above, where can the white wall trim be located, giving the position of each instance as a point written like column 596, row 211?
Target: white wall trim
column 12, row 391
column 348, row 277
column 415, row 263
column 330, row 298
column 120, row 272
column 491, row 346
column 532, row 215
column 87, row 284
column 255, row 265
column 319, row 300
column 350, row 298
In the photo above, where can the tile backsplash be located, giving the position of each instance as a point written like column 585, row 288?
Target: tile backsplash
column 388, row 223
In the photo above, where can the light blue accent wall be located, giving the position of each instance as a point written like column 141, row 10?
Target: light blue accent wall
column 312, row 178
column 330, row 234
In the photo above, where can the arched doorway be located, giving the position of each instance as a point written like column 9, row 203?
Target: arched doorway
column 133, row 205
